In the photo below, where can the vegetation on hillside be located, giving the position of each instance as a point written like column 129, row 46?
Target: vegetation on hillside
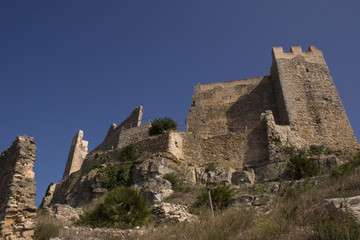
column 122, row 208
column 177, row 184
column 220, row 196
column 298, row 212
column 118, row 173
column 46, row 227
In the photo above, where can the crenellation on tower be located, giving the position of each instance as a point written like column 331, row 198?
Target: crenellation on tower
column 307, row 98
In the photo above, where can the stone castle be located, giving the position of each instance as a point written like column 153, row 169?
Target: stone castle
column 238, row 127
column 235, row 124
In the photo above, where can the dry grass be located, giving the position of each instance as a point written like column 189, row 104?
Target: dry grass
column 225, row 225
column 297, row 213
column 46, row 226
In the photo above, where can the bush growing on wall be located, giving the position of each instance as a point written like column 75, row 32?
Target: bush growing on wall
column 122, row 208
column 160, row 125
column 119, row 173
column 301, row 166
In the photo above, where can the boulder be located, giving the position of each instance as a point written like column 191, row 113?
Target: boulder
column 172, row 213
column 343, row 206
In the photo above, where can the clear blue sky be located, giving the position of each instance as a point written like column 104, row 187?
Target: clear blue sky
column 70, row 65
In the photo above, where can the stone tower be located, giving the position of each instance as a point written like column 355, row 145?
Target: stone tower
column 299, row 92
column 307, row 98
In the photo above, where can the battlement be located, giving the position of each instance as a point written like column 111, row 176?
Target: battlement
column 278, row 52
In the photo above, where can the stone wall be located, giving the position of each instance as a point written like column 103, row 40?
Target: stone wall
column 118, row 136
column 234, row 106
column 17, row 190
column 307, row 98
column 230, row 113
column 77, row 154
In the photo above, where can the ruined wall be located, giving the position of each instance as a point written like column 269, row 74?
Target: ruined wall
column 122, row 135
column 17, row 190
column 234, row 106
column 307, row 98
column 77, row 154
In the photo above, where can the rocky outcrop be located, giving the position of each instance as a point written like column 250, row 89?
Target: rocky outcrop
column 172, row 213
column 17, row 190
column 64, row 213
column 343, row 206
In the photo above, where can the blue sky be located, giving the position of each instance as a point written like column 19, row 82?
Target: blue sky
column 70, row 65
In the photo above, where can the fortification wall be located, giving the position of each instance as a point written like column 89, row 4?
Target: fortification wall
column 117, row 136
column 17, row 190
column 307, row 98
column 234, row 106
column 77, row 154
column 231, row 112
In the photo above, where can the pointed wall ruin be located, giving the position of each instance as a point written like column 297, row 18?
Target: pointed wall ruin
column 77, row 154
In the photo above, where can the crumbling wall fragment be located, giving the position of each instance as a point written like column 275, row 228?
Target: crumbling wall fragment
column 17, row 190
column 128, row 132
column 77, row 154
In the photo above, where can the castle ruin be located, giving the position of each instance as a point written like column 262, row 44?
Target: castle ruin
column 235, row 124
column 17, row 190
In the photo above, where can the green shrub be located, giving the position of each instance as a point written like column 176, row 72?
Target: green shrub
column 220, row 196
column 128, row 154
column 346, row 168
column 316, row 150
column 122, row 208
column 210, row 167
column 160, row 125
column 301, row 166
column 177, row 184
column 118, row 173
column 174, row 180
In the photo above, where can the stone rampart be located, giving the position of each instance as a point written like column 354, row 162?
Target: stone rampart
column 122, row 135
column 77, row 154
column 17, row 190
column 234, row 106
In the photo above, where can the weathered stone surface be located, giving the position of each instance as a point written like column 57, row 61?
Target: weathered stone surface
column 155, row 189
column 128, row 132
column 307, row 98
column 17, row 190
column 344, row 206
column 172, row 213
column 48, row 196
column 77, row 154
column 64, row 213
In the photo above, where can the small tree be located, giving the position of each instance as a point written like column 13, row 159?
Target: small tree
column 161, row 125
column 220, row 195
column 122, row 208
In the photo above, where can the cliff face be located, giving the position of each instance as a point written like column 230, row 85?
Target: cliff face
column 17, row 190
column 236, row 133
